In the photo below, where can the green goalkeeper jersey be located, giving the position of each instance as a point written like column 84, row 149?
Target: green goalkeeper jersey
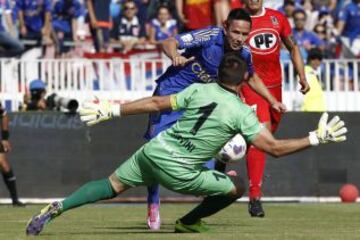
column 212, row 115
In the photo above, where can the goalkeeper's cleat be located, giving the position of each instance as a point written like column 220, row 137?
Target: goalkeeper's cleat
column 255, row 208
column 37, row 222
column 198, row 227
column 153, row 220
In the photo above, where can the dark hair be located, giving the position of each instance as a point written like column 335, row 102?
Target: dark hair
column 161, row 6
column 239, row 14
column 313, row 54
column 128, row 1
column 289, row 2
column 299, row 11
column 232, row 69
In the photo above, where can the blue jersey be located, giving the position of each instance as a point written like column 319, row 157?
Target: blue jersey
column 207, row 46
column 351, row 16
column 4, row 8
column 160, row 34
column 64, row 13
column 34, row 12
column 307, row 37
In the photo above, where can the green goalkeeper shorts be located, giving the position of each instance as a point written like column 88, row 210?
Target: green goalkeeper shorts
column 139, row 170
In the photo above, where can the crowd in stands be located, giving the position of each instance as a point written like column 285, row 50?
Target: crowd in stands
column 122, row 25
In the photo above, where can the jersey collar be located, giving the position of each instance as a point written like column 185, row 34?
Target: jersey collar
column 263, row 11
column 227, row 89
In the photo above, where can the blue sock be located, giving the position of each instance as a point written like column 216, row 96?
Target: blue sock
column 153, row 194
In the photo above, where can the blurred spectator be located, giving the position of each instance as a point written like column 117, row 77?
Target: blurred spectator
column 274, row 4
column 128, row 30
column 65, row 14
column 288, row 9
column 314, row 100
column 35, row 20
column 142, row 12
column 305, row 39
column 155, row 4
column 10, row 46
column 331, row 4
column 221, row 10
column 195, row 14
column 328, row 40
column 349, row 27
column 162, row 27
column 100, row 23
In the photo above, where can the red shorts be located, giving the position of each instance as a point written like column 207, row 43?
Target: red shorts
column 264, row 111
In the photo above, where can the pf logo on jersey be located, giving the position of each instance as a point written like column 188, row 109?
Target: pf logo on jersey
column 264, row 41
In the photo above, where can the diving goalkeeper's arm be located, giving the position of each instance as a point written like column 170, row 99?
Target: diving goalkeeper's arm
column 332, row 131
column 93, row 113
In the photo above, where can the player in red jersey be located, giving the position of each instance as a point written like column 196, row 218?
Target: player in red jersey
column 270, row 29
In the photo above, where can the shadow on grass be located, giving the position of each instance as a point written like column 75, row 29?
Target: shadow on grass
column 102, row 233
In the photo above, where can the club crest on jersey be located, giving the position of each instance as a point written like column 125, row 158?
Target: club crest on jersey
column 274, row 21
column 264, row 41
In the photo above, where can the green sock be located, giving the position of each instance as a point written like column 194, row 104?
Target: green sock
column 89, row 193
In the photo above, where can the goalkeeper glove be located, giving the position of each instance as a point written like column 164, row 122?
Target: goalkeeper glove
column 333, row 131
column 93, row 113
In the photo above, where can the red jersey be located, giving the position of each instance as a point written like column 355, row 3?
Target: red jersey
column 265, row 43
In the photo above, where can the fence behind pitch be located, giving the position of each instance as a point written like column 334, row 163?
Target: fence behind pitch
column 127, row 79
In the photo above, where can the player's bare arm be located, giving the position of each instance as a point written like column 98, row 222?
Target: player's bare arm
column 170, row 48
column 93, row 113
column 258, row 86
column 296, row 58
column 328, row 131
column 277, row 148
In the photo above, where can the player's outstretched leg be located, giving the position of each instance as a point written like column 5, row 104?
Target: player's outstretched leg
column 192, row 223
column 255, row 161
column 153, row 200
column 89, row 193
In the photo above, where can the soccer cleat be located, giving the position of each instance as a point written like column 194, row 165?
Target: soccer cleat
column 37, row 222
column 153, row 220
column 17, row 203
column 198, row 227
column 255, row 208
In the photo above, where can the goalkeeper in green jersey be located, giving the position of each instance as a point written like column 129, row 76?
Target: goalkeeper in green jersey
column 213, row 114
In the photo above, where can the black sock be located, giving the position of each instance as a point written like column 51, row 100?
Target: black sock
column 220, row 166
column 10, row 181
column 209, row 206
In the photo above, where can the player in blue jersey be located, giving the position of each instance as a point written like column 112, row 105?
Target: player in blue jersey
column 199, row 63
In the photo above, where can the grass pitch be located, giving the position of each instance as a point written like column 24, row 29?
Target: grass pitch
column 124, row 221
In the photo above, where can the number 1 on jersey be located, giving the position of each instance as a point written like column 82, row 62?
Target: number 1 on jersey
column 205, row 112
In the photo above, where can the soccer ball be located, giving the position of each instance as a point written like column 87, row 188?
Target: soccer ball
column 233, row 151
